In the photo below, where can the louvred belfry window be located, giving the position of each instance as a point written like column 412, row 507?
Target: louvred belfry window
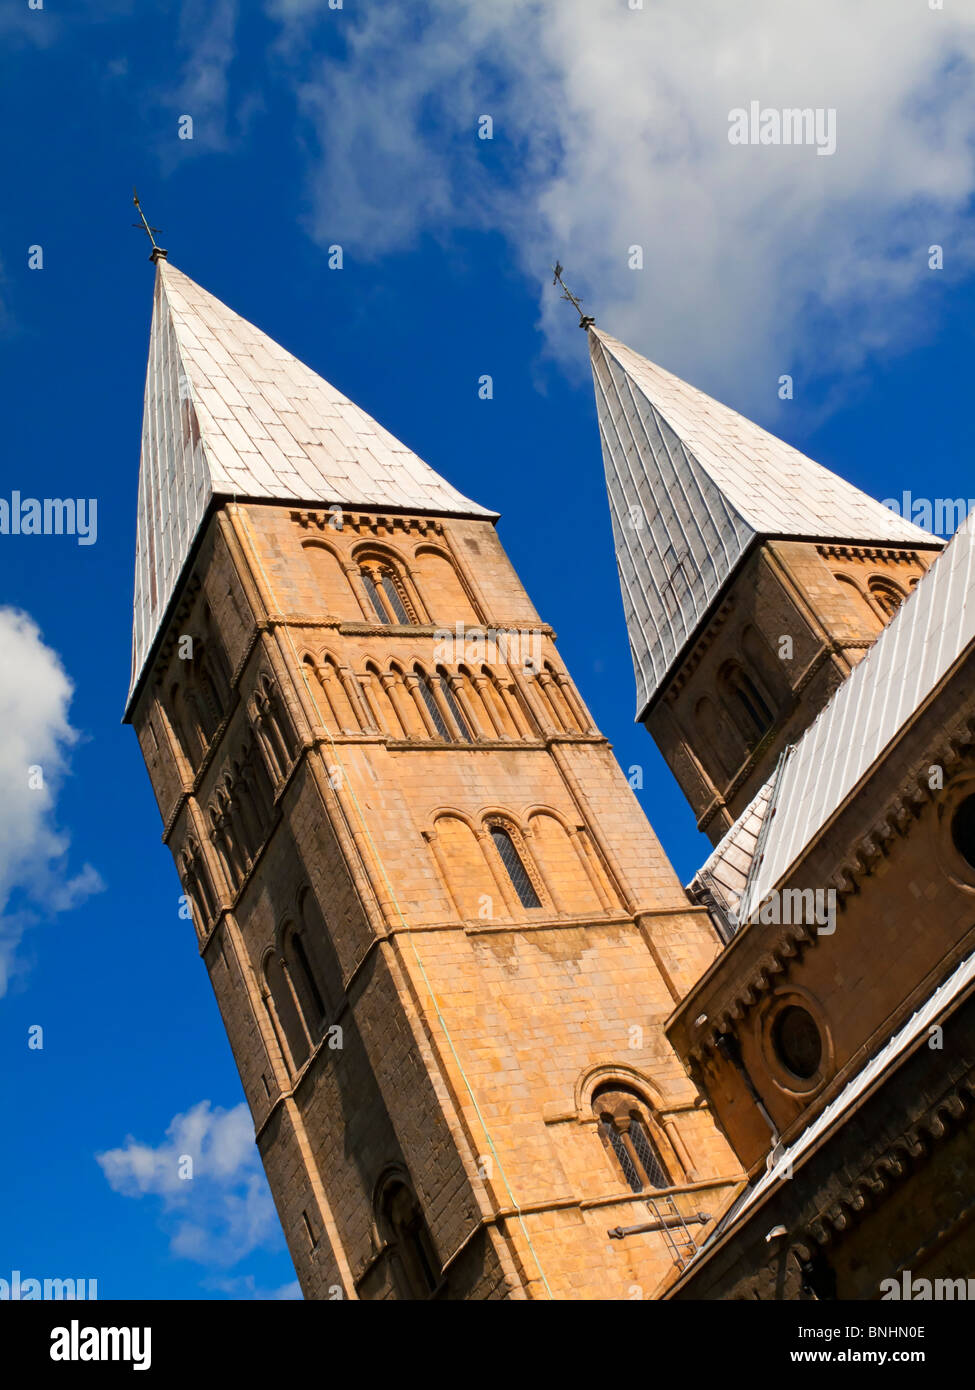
column 743, row 695
column 393, row 597
column 433, row 709
column 409, row 1239
column 887, row 596
column 456, row 713
column 386, row 593
column 516, row 870
column 374, row 598
column 624, row 1127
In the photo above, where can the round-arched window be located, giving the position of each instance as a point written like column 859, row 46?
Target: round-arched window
column 625, row 1129
column 406, row 1230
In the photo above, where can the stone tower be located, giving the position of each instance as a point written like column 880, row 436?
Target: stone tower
column 442, row 936
column 753, row 579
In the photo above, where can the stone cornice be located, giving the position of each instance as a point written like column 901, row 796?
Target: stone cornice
column 364, row 523
column 877, row 1179
column 875, row 552
column 774, row 962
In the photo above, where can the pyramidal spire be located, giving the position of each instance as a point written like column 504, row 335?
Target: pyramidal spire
column 692, row 487
column 229, row 413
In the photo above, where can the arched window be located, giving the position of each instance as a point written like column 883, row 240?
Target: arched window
column 283, row 1011
column 372, row 591
column 768, row 669
column 745, row 694
column 753, row 702
column 514, row 867
column 196, row 881
column 304, row 979
column 251, row 796
column 186, row 727
column 386, row 592
column 414, row 1257
column 258, row 779
column 886, row 595
column 210, row 684
column 719, row 745
column 320, row 956
column 207, row 702
column 275, row 727
column 450, row 700
column 625, row 1129
column 211, row 657
column 429, row 700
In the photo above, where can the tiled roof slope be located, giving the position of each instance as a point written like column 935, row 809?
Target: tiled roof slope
column 724, row 874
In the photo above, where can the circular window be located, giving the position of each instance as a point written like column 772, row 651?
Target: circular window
column 797, row 1041
column 963, row 830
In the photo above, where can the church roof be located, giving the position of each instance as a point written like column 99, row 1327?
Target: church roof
column 724, row 874
column 230, row 413
column 932, row 631
column 692, row 484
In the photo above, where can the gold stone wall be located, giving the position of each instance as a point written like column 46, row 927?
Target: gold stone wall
column 437, row 923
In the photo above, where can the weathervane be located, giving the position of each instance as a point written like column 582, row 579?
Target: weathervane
column 157, row 253
column 585, row 320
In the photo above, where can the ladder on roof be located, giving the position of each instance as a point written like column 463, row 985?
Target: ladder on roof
column 675, row 1230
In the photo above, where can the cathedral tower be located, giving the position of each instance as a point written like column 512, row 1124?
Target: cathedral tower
column 753, row 579
column 442, row 936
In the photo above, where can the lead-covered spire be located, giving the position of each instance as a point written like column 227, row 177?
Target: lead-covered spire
column 230, row 413
column 692, row 485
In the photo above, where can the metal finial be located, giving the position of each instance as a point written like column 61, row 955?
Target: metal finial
column 157, row 253
column 585, row 320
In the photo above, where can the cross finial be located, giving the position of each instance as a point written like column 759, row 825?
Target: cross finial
column 585, row 320
column 157, row 253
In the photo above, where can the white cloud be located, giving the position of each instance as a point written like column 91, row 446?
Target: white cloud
column 207, row 38
column 223, row 1210
column 611, row 130
column 35, row 694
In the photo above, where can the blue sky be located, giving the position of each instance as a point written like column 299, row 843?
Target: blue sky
column 314, row 126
